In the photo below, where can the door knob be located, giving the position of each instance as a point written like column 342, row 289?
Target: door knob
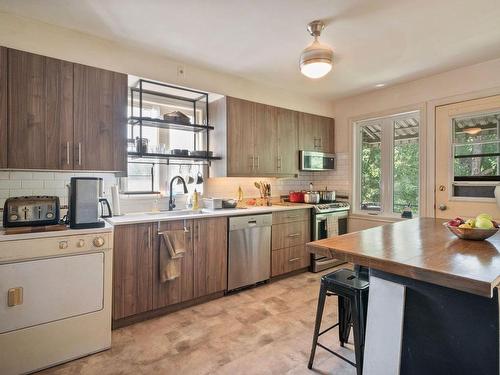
column 442, row 188
column 442, row 207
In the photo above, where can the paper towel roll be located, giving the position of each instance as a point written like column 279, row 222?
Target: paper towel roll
column 115, row 198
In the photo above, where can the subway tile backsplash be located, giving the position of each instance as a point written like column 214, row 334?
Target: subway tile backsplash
column 335, row 180
column 19, row 183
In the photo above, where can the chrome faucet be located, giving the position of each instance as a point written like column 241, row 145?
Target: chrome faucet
column 171, row 201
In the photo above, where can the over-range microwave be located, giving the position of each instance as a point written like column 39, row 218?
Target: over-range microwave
column 316, row 161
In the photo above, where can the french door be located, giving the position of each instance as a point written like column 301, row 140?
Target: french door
column 467, row 158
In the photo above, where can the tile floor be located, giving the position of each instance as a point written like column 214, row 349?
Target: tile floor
column 264, row 330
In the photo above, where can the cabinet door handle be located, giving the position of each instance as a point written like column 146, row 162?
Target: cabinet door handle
column 293, row 259
column 294, row 235
column 67, row 153
column 320, row 142
column 279, row 162
column 315, row 142
column 79, row 153
column 149, row 237
column 292, row 217
column 252, row 162
column 258, row 162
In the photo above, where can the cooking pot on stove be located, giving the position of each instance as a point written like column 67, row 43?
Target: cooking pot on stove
column 296, row 197
column 327, row 196
column 311, row 197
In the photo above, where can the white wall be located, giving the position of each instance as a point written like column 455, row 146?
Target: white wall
column 49, row 40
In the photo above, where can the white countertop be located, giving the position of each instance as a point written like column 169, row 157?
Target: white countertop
column 57, row 233
column 137, row 218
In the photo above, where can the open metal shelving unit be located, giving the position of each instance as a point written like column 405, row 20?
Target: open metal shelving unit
column 189, row 97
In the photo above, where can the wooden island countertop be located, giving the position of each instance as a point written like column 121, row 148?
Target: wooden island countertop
column 421, row 249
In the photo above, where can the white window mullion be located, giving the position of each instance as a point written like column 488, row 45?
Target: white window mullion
column 386, row 159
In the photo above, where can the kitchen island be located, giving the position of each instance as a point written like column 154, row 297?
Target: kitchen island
column 433, row 306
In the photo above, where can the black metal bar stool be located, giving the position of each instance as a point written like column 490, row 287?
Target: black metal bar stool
column 351, row 287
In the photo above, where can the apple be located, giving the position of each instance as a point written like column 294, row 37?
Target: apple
column 454, row 223
column 484, row 223
column 484, row 216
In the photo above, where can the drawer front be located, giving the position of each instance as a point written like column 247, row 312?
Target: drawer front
column 292, row 216
column 290, row 234
column 289, row 259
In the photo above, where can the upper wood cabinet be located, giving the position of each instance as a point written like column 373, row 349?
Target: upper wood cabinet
column 59, row 115
column 100, row 119
column 40, row 112
column 240, row 117
column 265, row 140
column 132, row 270
column 254, row 139
column 3, row 107
column 287, row 134
column 316, row 133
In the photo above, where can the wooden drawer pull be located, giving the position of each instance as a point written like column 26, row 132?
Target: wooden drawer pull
column 294, row 235
column 292, row 217
column 293, row 259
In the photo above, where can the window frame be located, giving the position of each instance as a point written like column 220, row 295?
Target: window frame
column 387, row 163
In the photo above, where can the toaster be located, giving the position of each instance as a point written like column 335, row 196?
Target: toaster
column 31, row 211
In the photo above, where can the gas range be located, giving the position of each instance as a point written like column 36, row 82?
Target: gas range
column 323, row 208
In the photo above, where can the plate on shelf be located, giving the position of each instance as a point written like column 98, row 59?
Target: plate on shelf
column 201, row 153
column 179, row 152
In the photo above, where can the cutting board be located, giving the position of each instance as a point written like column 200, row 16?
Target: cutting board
column 43, row 228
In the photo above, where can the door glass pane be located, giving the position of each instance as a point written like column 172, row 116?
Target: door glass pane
column 406, row 164
column 476, row 148
column 370, row 168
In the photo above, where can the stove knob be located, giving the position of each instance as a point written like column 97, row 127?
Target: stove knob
column 80, row 243
column 63, row 245
column 13, row 217
column 49, row 215
column 98, row 241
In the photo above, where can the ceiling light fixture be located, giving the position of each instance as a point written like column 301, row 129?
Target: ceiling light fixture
column 472, row 131
column 380, row 85
column 317, row 59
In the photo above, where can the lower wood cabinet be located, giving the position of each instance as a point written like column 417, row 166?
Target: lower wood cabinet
column 210, row 255
column 180, row 289
column 136, row 274
column 132, row 270
column 291, row 230
column 289, row 259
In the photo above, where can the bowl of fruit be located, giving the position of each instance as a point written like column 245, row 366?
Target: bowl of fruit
column 477, row 229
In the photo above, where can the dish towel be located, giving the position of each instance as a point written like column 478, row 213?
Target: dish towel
column 172, row 249
column 332, row 226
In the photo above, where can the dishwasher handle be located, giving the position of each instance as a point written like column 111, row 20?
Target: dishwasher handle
column 242, row 222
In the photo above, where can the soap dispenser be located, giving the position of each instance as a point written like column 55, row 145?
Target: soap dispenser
column 196, row 201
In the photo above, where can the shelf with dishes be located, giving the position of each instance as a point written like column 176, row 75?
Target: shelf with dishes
column 174, row 155
column 167, row 124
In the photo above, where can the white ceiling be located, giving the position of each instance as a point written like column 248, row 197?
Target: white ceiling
column 375, row 41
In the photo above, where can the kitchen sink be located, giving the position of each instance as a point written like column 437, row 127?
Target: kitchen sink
column 176, row 212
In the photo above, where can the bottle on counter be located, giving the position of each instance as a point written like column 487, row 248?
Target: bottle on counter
column 196, row 200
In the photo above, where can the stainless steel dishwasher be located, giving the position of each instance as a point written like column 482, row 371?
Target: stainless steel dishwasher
column 249, row 259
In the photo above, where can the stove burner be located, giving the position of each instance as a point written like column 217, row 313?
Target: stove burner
column 331, row 207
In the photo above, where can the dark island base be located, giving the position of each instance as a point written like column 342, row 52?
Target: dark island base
column 446, row 331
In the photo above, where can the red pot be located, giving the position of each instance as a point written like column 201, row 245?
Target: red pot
column 296, row 197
